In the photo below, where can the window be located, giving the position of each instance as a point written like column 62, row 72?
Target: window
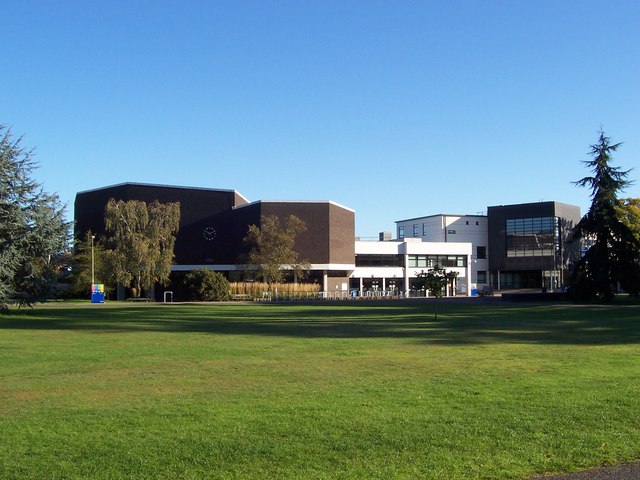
column 417, row 261
column 401, row 232
column 467, row 222
column 430, row 261
column 374, row 260
column 481, row 253
column 481, row 276
column 452, row 232
column 424, row 229
column 533, row 237
column 415, row 230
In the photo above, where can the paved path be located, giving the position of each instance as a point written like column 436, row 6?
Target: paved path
column 626, row 471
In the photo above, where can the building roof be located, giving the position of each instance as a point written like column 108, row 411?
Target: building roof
column 541, row 202
column 295, row 201
column 440, row 215
column 154, row 185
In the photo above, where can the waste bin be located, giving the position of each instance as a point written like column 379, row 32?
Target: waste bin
column 97, row 293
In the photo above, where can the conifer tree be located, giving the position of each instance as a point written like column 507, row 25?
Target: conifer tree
column 33, row 232
column 612, row 255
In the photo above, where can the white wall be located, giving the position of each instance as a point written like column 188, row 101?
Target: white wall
column 440, row 228
column 414, row 246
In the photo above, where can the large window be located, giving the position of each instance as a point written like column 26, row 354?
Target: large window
column 415, row 229
column 430, row 261
column 374, row 260
column 532, row 237
column 401, row 232
column 481, row 252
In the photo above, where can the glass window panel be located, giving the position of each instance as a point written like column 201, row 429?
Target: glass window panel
column 527, row 237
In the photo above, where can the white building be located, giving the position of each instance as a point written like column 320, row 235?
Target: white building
column 391, row 266
column 471, row 229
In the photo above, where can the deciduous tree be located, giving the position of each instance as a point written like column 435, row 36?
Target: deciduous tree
column 629, row 213
column 273, row 251
column 435, row 280
column 33, row 232
column 611, row 258
column 140, row 249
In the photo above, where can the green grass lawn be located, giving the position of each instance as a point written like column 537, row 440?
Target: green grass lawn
column 356, row 390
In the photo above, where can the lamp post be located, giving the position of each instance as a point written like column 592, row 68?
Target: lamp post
column 92, row 263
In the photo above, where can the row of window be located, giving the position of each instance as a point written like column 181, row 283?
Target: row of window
column 373, row 260
column 414, row 261
column 533, row 237
column 430, row 261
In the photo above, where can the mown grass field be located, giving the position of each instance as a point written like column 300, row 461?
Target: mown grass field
column 355, row 390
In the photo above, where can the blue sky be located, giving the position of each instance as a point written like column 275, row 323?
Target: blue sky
column 394, row 109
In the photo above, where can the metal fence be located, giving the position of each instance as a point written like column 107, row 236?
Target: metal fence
column 351, row 295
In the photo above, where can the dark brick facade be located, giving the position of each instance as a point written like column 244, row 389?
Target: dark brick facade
column 214, row 222
column 199, row 208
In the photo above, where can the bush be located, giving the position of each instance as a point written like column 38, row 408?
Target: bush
column 206, row 285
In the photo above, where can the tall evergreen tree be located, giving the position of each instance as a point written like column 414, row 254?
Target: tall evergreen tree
column 33, row 232
column 612, row 256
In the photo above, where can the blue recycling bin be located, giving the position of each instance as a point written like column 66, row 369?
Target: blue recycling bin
column 97, row 293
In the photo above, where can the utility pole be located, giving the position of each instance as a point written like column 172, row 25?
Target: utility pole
column 92, row 263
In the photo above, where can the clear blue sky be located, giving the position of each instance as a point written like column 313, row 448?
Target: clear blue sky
column 396, row 109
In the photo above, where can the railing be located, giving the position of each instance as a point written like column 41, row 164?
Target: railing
column 330, row 296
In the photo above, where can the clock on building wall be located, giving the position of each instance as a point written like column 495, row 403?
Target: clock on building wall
column 209, row 234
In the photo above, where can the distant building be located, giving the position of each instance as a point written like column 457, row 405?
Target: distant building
column 214, row 223
column 513, row 246
column 528, row 244
column 392, row 266
column 453, row 228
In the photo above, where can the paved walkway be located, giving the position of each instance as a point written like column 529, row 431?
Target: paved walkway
column 625, row 471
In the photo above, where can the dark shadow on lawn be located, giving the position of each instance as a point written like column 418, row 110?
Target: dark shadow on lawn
column 458, row 323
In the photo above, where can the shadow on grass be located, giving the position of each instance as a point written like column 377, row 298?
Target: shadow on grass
column 456, row 323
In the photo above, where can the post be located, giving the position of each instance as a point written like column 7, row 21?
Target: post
column 93, row 280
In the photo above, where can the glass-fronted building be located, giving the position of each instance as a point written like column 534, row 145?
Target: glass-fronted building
column 528, row 245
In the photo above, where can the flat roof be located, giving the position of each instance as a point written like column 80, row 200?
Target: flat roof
column 541, row 202
column 441, row 215
column 296, row 201
column 156, row 185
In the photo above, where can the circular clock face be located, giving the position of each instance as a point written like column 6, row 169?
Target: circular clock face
column 209, row 233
